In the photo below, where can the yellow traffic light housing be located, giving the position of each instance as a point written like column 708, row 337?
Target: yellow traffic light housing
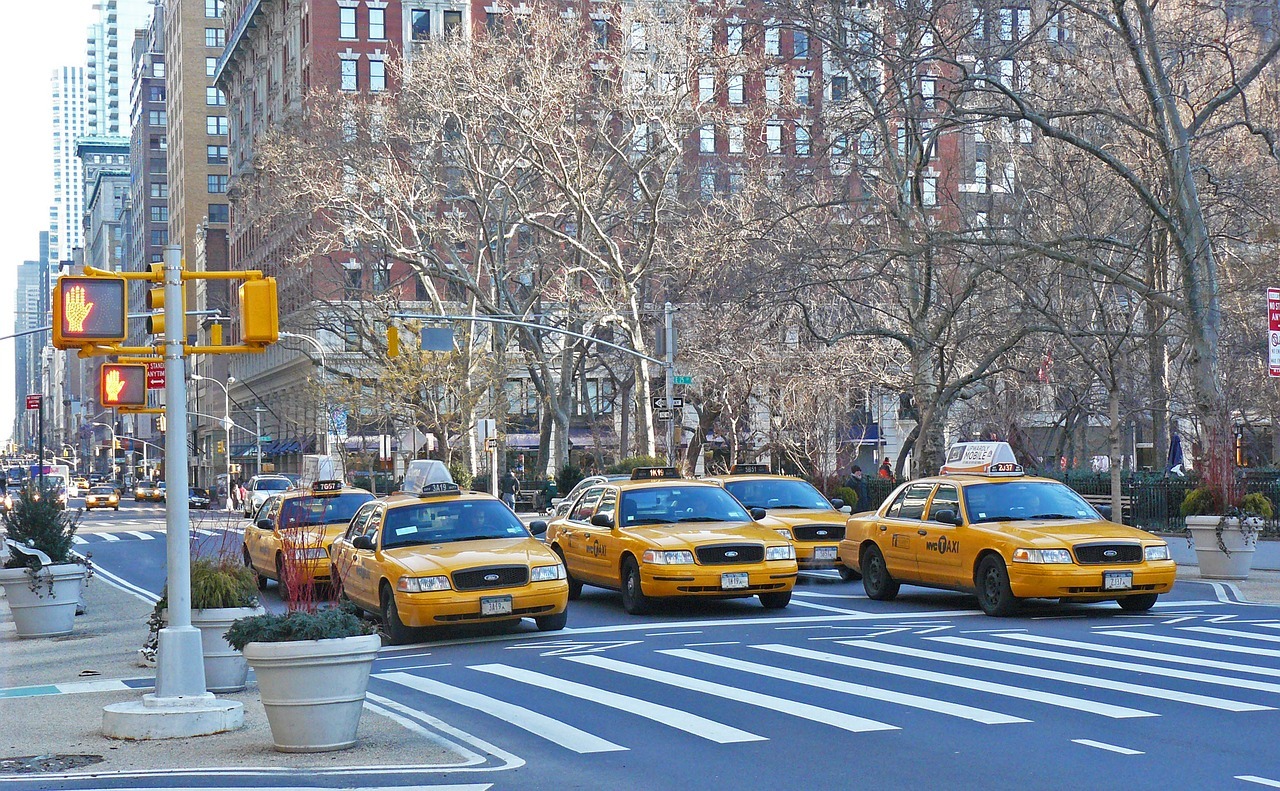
column 89, row 311
column 122, row 385
column 393, row 341
column 155, row 303
column 259, row 312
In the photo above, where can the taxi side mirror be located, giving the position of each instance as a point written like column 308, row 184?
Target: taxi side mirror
column 1105, row 511
column 538, row 527
column 846, row 509
column 757, row 514
column 362, row 542
column 946, row 516
column 264, row 524
column 602, row 520
column 837, row 503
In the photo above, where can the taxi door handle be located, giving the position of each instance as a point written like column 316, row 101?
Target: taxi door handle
column 922, row 532
column 884, row 527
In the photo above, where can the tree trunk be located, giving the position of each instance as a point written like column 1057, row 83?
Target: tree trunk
column 1113, row 437
column 1158, row 355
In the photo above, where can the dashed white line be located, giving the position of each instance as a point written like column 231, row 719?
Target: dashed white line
column 1108, row 747
column 1262, row 781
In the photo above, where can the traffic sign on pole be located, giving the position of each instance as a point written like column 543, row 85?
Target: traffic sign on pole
column 33, row 400
column 1273, row 331
column 155, row 376
column 660, row 402
column 665, row 414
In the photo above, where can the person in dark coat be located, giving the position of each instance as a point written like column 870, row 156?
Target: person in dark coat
column 857, row 481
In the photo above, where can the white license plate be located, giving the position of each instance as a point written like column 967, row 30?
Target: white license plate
column 495, row 605
column 1117, row 580
column 733, row 579
column 824, row 553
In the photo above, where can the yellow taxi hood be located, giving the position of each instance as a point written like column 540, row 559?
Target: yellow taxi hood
column 1069, row 531
column 682, row 536
column 429, row 559
column 790, row 517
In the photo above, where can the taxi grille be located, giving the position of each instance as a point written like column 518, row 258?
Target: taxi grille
column 730, row 553
column 818, row 532
column 475, row 579
column 1107, row 553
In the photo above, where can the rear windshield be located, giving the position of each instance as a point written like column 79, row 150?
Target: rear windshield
column 334, row 510
column 453, row 520
column 271, row 484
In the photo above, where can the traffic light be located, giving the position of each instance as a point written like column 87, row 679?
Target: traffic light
column 215, row 334
column 393, row 341
column 259, row 313
column 122, row 385
column 222, row 446
column 155, row 303
column 89, row 310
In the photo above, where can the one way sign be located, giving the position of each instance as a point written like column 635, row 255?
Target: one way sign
column 660, row 402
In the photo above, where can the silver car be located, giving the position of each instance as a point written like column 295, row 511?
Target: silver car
column 562, row 504
column 259, row 488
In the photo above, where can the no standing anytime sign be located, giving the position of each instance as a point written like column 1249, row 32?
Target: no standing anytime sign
column 1273, row 331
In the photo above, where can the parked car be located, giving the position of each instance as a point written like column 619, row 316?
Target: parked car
column 561, row 504
column 260, row 487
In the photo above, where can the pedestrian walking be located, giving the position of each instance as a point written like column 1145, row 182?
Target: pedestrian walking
column 509, row 486
column 886, row 471
column 857, row 481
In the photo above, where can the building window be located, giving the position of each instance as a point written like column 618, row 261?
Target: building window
column 707, row 185
column 213, row 9
column 377, row 75
column 1006, row 24
column 737, row 90
column 377, row 24
column 733, row 38
column 215, row 124
column 216, row 155
column 640, row 138
column 600, row 29
column 346, row 23
column 160, row 237
column 737, row 136
column 349, row 79
column 929, row 191
column 803, row 145
column 160, row 143
column 214, row 97
column 772, row 89
column 773, row 138
column 979, row 29
column 159, row 214
column 351, row 337
column 980, row 175
column 217, row 184
column 928, row 90
column 157, row 118
column 210, row 66
column 706, row 139
column 215, row 37
column 800, row 43
column 492, row 21
column 706, row 87
column 773, row 40
column 159, row 189
column 157, row 69
column 155, row 93
column 839, row 88
column 802, row 89
column 452, row 25
column 420, row 24
column 219, row 212
column 639, row 37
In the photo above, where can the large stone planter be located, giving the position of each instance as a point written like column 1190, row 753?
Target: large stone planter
column 43, row 612
column 1235, row 562
column 225, row 668
column 313, row 690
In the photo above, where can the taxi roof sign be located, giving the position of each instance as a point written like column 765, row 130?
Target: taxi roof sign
column 326, row 487
column 981, row 458
column 750, row 469
column 428, row 476
column 654, row 473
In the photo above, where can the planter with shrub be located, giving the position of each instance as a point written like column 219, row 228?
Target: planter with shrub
column 42, row 577
column 1225, row 534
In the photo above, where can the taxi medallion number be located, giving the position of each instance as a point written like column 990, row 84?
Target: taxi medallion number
column 824, row 553
column 1117, row 580
column 733, row 579
column 495, row 605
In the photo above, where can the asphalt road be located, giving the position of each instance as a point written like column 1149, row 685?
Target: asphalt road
column 836, row 691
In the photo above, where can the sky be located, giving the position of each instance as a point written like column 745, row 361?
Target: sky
column 34, row 39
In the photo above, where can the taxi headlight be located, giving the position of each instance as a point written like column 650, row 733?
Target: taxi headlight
column 1157, row 552
column 668, row 558
column 1041, row 556
column 785, row 533
column 787, row 552
column 422, row 584
column 312, row 553
column 546, row 573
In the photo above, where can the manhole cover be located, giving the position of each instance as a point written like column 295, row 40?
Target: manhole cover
column 33, row 764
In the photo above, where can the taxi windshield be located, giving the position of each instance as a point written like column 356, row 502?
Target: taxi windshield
column 322, row 510
column 102, row 490
column 660, row 505
column 777, row 493
column 453, row 520
column 1005, row 502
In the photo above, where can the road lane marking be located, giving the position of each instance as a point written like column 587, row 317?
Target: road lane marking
column 1138, row 653
column 663, row 715
column 983, row 716
column 836, row 719
column 78, row 540
column 1007, row 690
column 670, row 634
column 109, row 536
column 724, row 642
column 539, row 725
column 1108, row 747
column 1189, row 643
column 1262, row 781
column 1133, row 667
column 825, row 608
column 125, row 585
column 142, row 536
column 1265, row 638
column 1161, row 693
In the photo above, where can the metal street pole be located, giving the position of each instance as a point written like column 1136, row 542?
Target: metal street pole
column 179, row 660
column 257, row 424
column 669, row 363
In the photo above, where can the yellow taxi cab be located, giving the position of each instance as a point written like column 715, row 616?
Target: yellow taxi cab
column 433, row 555
column 983, row 526
column 659, row 535
column 796, row 510
column 101, row 497
column 290, row 538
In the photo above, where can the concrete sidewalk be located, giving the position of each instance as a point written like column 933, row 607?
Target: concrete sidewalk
column 52, row 691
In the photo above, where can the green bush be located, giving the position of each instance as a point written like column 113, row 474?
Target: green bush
column 461, row 474
column 1257, row 504
column 296, row 625
column 631, row 462
column 220, row 584
column 38, row 520
column 1200, row 501
column 849, row 496
column 568, row 478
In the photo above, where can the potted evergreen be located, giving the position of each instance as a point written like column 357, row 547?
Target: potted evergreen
column 42, row 577
column 1224, row 533
column 312, row 663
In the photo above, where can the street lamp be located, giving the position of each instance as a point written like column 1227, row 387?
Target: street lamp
column 226, row 424
column 112, row 429
column 323, row 376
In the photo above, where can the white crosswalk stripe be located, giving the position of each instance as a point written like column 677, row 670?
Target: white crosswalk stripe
column 1138, row 653
column 78, row 540
column 141, row 536
column 1189, row 643
column 1266, row 638
column 848, row 688
column 553, row 730
column 836, row 719
column 665, row 715
column 1162, row 693
column 108, row 536
column 1020, row 693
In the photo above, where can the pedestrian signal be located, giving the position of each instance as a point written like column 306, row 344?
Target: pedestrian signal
column 122, row 385
column 89, row 310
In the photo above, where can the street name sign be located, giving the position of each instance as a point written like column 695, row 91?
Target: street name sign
column 683, row 380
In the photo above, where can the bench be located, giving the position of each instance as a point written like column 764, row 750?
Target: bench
column 1126, row 505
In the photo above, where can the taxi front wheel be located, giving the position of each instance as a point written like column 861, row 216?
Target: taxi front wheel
column 994, row 594
column 876, row 581
column 1139, row 603
column 633, row 599
column 397, row 633
column 775, row 601
column 261, row 580
column 552, row 623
